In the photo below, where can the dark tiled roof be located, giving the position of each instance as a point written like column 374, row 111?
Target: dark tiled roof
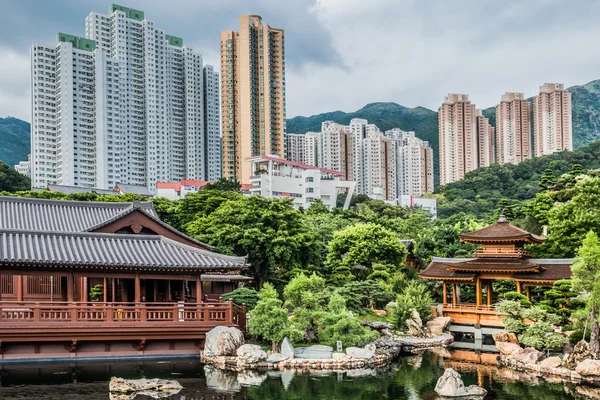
column 493, row 264
column 224, row 278
column 552, row 272
column 438, row 269
column 132, row 189
column 102, row 250
column 60, row 215
column 79, row 189
column 501, row 230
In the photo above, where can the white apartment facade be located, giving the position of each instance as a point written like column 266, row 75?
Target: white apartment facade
column 125, row 104
column 24, row 167
column 513, row 129
column 552, row 120
column 274, row 177
column 212, row 124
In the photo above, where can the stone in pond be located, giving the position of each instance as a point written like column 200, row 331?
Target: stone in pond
column 223, row 341
column 357, row 352
column 120, row 385
column 451, row 385
column 287, row 349
column 251, row 353
column 317, row 352
column 276, row 357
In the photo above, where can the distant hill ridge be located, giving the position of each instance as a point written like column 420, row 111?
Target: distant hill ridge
column 15, row 137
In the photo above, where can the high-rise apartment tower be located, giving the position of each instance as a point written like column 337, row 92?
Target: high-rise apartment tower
column 252, row 95
column 513, row 129
column 552, row 120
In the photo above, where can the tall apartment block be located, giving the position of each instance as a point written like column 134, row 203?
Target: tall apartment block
column 212, row 124
column 125, row 104
column 552, row 119
column 485, row 140
column 465, row 138
column 513, row 129
column 252, row 95
column 306, row 148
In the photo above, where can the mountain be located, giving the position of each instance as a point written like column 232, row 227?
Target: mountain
column 15, row 141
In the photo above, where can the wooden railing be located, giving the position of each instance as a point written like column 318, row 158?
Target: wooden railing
column 93, row 313
column 469, row 307
column 500, row 253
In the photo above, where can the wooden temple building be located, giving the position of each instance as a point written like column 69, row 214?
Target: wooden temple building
column 92, row 278
column 502, row 256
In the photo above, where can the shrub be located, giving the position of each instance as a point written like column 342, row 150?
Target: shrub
column 349, row 331
column 516, row 296
column 362, row 294
column 297, row 288
column 243, row 296
column 418, row 296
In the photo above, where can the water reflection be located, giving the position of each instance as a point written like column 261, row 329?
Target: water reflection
column 410, row 378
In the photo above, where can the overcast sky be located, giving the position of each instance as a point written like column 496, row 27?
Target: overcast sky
column 343, row 54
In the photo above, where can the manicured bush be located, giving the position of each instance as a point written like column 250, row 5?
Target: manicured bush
column 243, row 296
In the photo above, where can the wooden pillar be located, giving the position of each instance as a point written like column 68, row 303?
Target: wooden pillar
column 0, row 285
column 169, row 290
column 84, row 290
column 113, row 290
column 445, row 293
column 198, row 289
column 478, row 291
column 182, row 293
column 519, row 288
column 454, row 294
column 70, row 286
column 528, row 291
column 137, row 289
column 489, row 293
column 155, row 286
column 104, row 290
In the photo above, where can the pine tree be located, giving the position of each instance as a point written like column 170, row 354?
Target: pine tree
column 548, row 180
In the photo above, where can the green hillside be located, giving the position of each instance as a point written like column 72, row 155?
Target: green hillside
column 15, row 142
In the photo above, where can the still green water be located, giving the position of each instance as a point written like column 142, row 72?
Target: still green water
column 410, row 378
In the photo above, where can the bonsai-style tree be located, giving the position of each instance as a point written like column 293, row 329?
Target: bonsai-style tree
column 97, row 292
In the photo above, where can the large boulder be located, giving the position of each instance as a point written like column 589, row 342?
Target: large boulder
column 223, row 341
column 415, row 325
column 316, row 352
column 276, row 357
column 438, row 325
column 357, row 352
column 581, row 352
column 528, row 355
column 251, row 353
column 504, row 336
column 588, row 368
column 378, row 326
column 120, row 385
column 551, row 362
column 287, row 349
column 451, row 385
column 507, row 349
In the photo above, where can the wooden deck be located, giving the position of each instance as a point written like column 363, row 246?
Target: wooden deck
column 75, row 322
column 471, row 314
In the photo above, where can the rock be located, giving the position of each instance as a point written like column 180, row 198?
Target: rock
column 507, row 349
column 338, row 356
column 357, row 352
column 504, row 336
column 287, row 350
column 251, row 353
column 552, row 362
column 223, row 341
column 588, row 368
column 438, row 325
column 451, row 385
column 528, row 356
column 371, row 347
column 357, row 373
column 318, row 352
column 276, row 357
column 388, row 345
column 120, row 385
column 378, row 326
column 581, row 352
column 250, row 377
column 381, row 313
column 221, row 380
column 415, row 325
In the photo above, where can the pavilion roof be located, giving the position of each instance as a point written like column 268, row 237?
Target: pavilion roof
column 494, row 264
column 501, row 231
column 108, row 250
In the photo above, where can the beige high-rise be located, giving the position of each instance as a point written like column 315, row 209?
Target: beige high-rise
column 552, row 120
column 252, row 95
column 485, row 140
column 458, row 138
column 513, row 129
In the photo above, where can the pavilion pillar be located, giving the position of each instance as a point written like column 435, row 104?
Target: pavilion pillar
column 104, row 290
column 454, row 294
column 445, row 293
column 70, row 286
column 169, row 291
column 528, row 291
column 198, row 289
column 489, row 293
column 478, row 291
column 0, row 285
column 137, row 288
column 20, row 279
column 113, row 290
column 182, row 293
column 519, row 288
column 84, row 289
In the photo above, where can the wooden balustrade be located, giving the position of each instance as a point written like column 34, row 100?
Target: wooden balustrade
column 92, row 313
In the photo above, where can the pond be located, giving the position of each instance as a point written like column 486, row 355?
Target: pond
column 411, row 378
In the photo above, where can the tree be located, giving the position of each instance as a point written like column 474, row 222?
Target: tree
column 415, row 296
column 295, row 290
column 269, row 320
column 202, row 204
column 317, row 207
column 11, row 180
column 223, row 184
column 270, row 232
column 354, row 250
column 547, row 180
column 243, row 295
column 586, row 274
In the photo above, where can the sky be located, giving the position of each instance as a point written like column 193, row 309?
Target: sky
column 344, row 54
